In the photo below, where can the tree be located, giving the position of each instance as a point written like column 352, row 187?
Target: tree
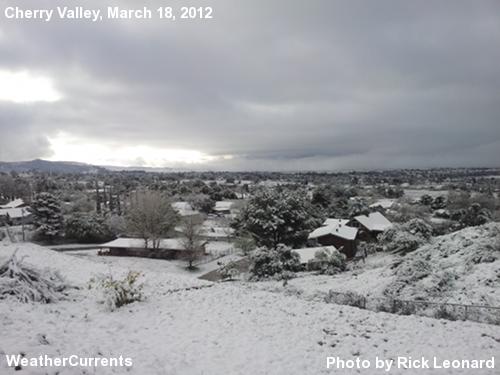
column 279, row 263
column 88, row 228
column 191, row 242
column 48, row 219
column 475, row 215
column 245, row 243
column 202, row 203
column 273, row 217
column 150, row 216
column 328, row 262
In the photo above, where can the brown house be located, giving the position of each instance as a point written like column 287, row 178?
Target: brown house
column 169, row 248
column 336, row 232
column 370, row 226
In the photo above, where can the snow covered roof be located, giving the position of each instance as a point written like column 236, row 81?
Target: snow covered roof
column 14, row 213
column 13, row 204
column 330, row 221
column 223, row 205
column 335, row 227
column 137, row 243
column 306, row 254
column 384, row 203
column 375, row 221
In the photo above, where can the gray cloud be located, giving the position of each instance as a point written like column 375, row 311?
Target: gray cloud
column 278, row 85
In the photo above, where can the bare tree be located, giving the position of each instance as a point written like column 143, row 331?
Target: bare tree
column 194, row 246
column 150, row 216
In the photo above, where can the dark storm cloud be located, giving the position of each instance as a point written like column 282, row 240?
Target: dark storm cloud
column 278, row 85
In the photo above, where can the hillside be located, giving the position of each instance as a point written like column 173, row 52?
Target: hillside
column 461, row 267
column 47, row 166
column 225, row 328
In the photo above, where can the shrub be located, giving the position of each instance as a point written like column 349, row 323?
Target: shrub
column 400, row 241
column 352, row 299
column 418, row 227
column 28, row 284
column 246, row 244
column 228, row 271
column 329, row 262
column 273, row 263
column 443, row 313
column 117, row 293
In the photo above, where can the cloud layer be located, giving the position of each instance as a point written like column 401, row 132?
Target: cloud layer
column 281, row 85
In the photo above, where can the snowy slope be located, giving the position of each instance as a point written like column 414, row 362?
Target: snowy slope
column 462, row 267
column 229, row 328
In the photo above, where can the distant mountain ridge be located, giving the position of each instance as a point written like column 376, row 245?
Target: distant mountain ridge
column 40, row 165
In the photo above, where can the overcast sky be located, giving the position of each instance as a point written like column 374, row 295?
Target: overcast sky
column 265, row 85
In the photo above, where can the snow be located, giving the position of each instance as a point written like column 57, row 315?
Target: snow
column 307, row 254
column 15, row 213
column 463, row 264
column 336, row 227
column 13, row 204
column 375, row 221
column 225, row 328
column 384, row 203
column 223, row 205
column 340, row 222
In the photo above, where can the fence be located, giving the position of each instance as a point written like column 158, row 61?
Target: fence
column 450, row 311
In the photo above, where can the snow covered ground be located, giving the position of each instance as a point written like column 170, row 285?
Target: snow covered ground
column 225, row 328
column 461, row 267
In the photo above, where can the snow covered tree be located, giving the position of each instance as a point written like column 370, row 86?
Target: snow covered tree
column 475, row 215
column 48, row 219
column 88, row 228
column 426, row 200
column 418, row 227
column 28, row 284
column 400, row 240
column 191, row 242
column 150, row 216
column 439, row 203
column 272, row 217
column 278, row 263
column 328, row 262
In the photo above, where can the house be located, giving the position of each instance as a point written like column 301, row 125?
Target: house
column 336, row 232
column 16, row 203
column 184, row 209
column 223, row 207
column 15, row 216
column 371, row 225
column 169, row 248
column 308, row 253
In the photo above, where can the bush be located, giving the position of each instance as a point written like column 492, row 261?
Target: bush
column 443, row 313
column 117, row 293
column 28, row 284
column 400, row 241
column 88, row 228
column 228, row 271
column 273, row 263
column 418, row 227
column 348, row 298
column 328, row 262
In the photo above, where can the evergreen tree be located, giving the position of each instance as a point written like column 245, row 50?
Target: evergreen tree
column 272, row 217
column 48, row 219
